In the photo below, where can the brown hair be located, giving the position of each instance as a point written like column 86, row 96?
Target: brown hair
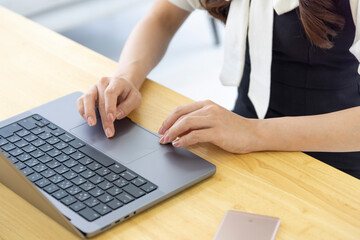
column 319, row 18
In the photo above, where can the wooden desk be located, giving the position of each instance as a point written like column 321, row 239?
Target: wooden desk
column 313, row 200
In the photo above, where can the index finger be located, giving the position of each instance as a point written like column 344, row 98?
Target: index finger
column 177, row 113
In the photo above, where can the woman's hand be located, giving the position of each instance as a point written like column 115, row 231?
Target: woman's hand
column 206, row 121
column 115, row 98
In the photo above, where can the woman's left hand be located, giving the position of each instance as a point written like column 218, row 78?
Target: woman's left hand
column 206, row 121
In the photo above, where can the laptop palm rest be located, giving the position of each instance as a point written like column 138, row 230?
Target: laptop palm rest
column 130, row 142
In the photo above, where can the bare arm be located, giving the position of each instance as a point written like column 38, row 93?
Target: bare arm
column 332, row 132
column 117, row 96
column 149, row 40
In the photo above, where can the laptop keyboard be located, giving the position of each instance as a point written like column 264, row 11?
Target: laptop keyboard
column 79, row 176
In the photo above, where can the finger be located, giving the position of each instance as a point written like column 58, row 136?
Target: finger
column 80, row 106
column 111, row 95
column 108, row 126
column 90, row 99
column 178, row 112
column 186, row 124
column 132, row 101
column 196, row 136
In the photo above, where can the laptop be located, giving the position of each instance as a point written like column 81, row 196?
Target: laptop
column 84, row 181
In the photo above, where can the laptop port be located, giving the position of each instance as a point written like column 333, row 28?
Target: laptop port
column 106, row 227
column 127, row 216
column 116, row 222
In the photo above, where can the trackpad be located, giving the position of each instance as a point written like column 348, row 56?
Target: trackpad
column 130, row 142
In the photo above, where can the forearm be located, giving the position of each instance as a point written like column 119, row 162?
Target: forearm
column 332, row 132
column 147, row 45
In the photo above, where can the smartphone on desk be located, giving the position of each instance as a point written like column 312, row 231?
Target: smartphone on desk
column 247, row 226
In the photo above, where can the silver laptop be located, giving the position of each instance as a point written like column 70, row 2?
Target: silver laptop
column 84, row 181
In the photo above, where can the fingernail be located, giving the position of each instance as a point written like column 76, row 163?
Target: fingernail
column 110, row 117
column 119, row 115
column 161, row 130
column 90, row 121
column 161, row 139
column 108, row 132
column 176, row 143
column 166, row 139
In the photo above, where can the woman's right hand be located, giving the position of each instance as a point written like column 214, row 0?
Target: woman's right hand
column 115, row 99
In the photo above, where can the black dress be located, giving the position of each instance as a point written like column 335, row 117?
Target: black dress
column 307, row 80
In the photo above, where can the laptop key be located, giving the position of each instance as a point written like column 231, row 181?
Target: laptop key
column 13, row 138
column 8, row 147
column 45, row 159
column 82, row 196
column 36, row 117
column 22, row 143
column 48, row 173
column 16, row 152
column 85, row 160
column 40, row 167
column 78, row 180
column 77, row 155
column 114, row 191
column 77, row 143
column 115, row 204
column 73, row 190
column 45, row 135
column 38, row 142
column 34, row 177
column 69, row 175
column 23, row 133
column 29, row 148
column 27, row 171
column 42, row 183
column 61, row 169
column 69, row 150
column 62, row 157
column 70, row 163
column 51, row 188
column 105, row 185
column 100, row 157
column 96, row 179
column 53, row 153
column 37, row 131
column 148, row 187
column 79, row 168
column 78, row 206
column 65, row 184
column 128, row 175
column 56, row 179
column 87, row 174
column 66, row 137
column 13, row 159
column 30, row 137
column 133, row 190
column 32, row 162
column 57, row 132
column 89, row 214
column 91, row 202
column 47, row 147
column 36, row 153
column 102, row 209
column 23, row 157
column 53, row 164
column 27, row 123
column 3, row 141
column 61, row 145
column 138, row 181
column 112, row 177
column 52, row 140
column 105, row 198
column 87, row 186
column 9, row 130
column 68, row 200
column 96, row 192
column 117, row 168
column 103, row 171
column 125, row 198
column 121, row 182
column 94, row 166
column 20, row 165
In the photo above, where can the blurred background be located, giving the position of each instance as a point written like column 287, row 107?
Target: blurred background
column 192, row 63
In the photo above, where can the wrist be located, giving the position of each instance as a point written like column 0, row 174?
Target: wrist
column 260, row 135
column 133, row 81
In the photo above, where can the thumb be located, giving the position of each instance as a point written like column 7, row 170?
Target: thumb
column 125, row 107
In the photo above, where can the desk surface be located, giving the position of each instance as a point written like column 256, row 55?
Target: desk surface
column 313, row 200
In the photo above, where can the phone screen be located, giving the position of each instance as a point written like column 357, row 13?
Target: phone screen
column 247, row 226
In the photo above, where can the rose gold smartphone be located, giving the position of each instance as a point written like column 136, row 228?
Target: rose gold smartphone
column 247, row 226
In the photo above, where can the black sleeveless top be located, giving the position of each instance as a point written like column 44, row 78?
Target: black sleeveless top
column 307, row 80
